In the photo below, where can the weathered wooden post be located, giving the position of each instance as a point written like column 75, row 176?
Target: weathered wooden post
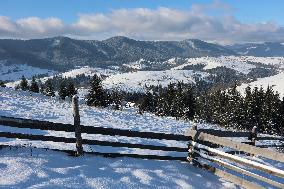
column 253, row 135
column 192, row 155
column 77, row 125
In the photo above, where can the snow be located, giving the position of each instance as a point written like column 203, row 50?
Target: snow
column 49, row 169
column 137, row 65
column 56, row 42
column 241, row 64
column 253, row 47
column 136, row 81
column 267, row 49
column 88, row 71
column 14, row 72
column 275, row 81
column 191, row 43
column 215, row 62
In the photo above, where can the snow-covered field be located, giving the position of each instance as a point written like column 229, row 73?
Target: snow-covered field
column 275, row 81
column 214, row 62
column 136, row 81
column 49, row 169
column 242, row 64
column 14, row 72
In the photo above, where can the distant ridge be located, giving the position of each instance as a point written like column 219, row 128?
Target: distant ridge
column 62, row 52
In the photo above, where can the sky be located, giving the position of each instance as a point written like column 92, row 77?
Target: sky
column 221, row 21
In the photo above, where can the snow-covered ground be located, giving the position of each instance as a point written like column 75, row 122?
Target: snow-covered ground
column 214, row 62
column 49, row 169
column 14, row 72
column 275, row 81
column 136, row 81
column 242, row 64
column 86, row 70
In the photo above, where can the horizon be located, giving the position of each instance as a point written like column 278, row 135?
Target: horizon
column 217, row 21
column 74, row 38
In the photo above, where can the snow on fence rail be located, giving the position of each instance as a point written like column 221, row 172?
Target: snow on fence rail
column 198, row 151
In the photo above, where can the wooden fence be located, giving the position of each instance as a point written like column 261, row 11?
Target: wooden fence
column 203, row 144
column 234, row 163
column 45, row 125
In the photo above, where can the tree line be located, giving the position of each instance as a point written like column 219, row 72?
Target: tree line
column 257, row 107
column 199, row 102
column 66, row 88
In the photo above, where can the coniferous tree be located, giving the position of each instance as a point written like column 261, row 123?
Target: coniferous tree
column 24, row 84
column 34, row 86
column 63, row 91
column 71, row 90
column 49, row 90
column 188, row 102
column 97, row 96
column 116, row 99
column 147, row 103
column 2, row 84
column 41, row 88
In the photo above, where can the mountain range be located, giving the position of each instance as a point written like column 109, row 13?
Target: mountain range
column 62, row 53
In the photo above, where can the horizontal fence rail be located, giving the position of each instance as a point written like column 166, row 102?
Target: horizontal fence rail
column 202, row 144
column 236, row 145
column 90, row 142
column 237, row 134
column 45, row 125
column 108, row 154
column 224, row 159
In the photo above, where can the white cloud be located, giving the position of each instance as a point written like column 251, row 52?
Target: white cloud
column 149, row 24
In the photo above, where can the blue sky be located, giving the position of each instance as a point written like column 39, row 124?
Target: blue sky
column 98, row 18
column 67, row 10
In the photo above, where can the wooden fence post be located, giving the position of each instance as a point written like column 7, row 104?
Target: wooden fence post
column 77, row 125
column 192, row 156
column 253, row 135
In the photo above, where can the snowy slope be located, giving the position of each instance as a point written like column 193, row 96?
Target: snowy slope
column 136, row 81
column 47, row 169
column 213, row 62
column 88, row 71
column 14, row 72
column 276, row 81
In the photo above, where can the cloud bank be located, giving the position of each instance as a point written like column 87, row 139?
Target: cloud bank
column 149, row 24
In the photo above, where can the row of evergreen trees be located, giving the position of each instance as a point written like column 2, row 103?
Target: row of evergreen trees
column 66, row 88
column 257, row 107
column 176, row 100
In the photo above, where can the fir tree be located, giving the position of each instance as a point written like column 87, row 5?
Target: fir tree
column 24, row 84
column 49, row 90
column 2, row 84
column 116, row 99
column 147, row 102
column 63, row 91
column 97, row 95
column 34, row 86
column 71, row 90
